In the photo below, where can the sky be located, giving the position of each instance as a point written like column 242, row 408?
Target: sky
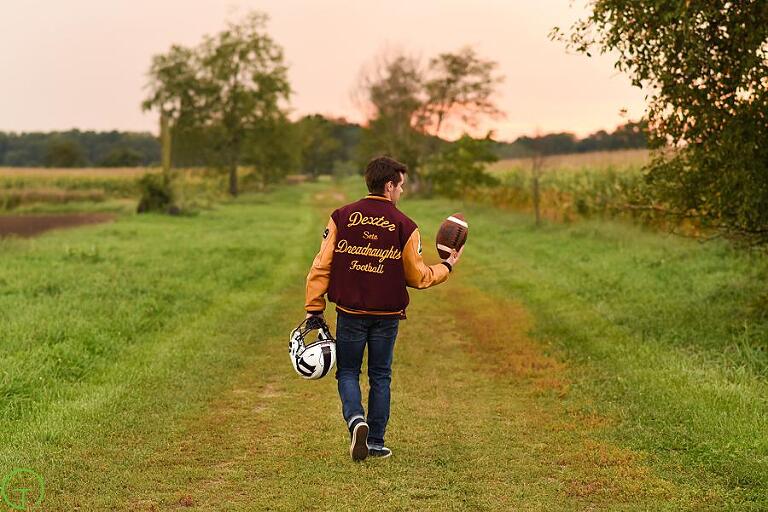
column 83, row 63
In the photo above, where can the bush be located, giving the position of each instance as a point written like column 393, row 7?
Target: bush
column 156, row 195
column 460, row 167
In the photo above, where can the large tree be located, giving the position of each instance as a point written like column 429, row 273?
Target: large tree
column 460, row 87
column 230, row 88
column 319, row 149
column 409, row 105
column 704, row 66
column 393, row 93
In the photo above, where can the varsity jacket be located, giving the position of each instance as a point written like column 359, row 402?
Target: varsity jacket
column 370, row 252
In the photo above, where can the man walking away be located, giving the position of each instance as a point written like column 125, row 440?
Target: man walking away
column 370, row 252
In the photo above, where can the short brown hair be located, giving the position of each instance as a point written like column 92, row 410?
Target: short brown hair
column 382, row 169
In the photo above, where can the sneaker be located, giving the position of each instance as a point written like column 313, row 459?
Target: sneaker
column 358, row 448
column 379, row 451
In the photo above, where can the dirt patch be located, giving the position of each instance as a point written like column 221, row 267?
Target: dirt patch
column 33, row 225
column 501, row 329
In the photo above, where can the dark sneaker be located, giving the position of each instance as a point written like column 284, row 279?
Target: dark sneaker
column 358, row 448
column 379, row 451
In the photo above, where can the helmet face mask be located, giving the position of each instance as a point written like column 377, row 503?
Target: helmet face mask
column 312, row 358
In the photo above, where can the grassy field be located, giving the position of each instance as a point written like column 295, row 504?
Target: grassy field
column 595, row 160
column 576, row 367
column 44, row 190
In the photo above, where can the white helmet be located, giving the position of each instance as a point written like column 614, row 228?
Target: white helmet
column 315, row 360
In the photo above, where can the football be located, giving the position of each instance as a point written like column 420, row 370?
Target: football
column 451, row 235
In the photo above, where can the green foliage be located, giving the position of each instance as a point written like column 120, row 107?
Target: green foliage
column 348, row 135
column 631, row 135
column 156, row 194
column 460, row 167
column 122, row 157
column 62, row 152
column 704, row 66
column 94, row 148
column 319, row 148
column 224, row 92
column 410, row 106
column 271, row 150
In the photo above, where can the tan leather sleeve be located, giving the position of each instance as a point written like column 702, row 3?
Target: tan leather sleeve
column 417, row 273
column 320, row 273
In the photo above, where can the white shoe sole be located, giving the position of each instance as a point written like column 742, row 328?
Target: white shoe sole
column 358, row 449
column 380, row 456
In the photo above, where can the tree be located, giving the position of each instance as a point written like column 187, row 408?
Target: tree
column 459, row 85
column 393, row 91
column 349, row 136
column 319, row 149
column 408, row 106
column 272, row 148
column 460, row 166
column 229, row 87
column 3, row 146
column 62, row 152
column 704, row 67
column 121, row 157
column 550, row 144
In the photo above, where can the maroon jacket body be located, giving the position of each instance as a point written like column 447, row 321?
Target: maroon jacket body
column 370, row 252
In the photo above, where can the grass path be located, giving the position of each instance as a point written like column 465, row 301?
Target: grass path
column 477, row 424
column 206, row 413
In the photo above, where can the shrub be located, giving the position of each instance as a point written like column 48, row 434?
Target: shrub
column 156, row 194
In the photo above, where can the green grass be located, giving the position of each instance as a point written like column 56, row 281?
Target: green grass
column 594, row 366
column 670, row 336
column 108, row 329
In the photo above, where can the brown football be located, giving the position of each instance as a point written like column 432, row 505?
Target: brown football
column 451, row 235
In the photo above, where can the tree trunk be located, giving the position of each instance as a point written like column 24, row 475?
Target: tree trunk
column 165, row 141
column 233, row 180
column 536, row 197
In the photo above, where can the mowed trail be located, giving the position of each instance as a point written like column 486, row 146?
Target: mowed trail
column 478, row 423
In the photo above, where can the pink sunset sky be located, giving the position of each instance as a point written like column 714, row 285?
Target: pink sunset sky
column 83, row 63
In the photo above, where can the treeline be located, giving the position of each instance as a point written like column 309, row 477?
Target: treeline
column 320, row 145
column 74, row 148
column 326, row 143
column 631, row 135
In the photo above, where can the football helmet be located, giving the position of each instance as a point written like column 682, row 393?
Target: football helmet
column 312, row 359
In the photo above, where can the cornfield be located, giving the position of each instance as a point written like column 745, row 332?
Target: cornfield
column 602, row 184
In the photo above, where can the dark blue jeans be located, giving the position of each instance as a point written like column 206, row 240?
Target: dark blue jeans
column 352, row 335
